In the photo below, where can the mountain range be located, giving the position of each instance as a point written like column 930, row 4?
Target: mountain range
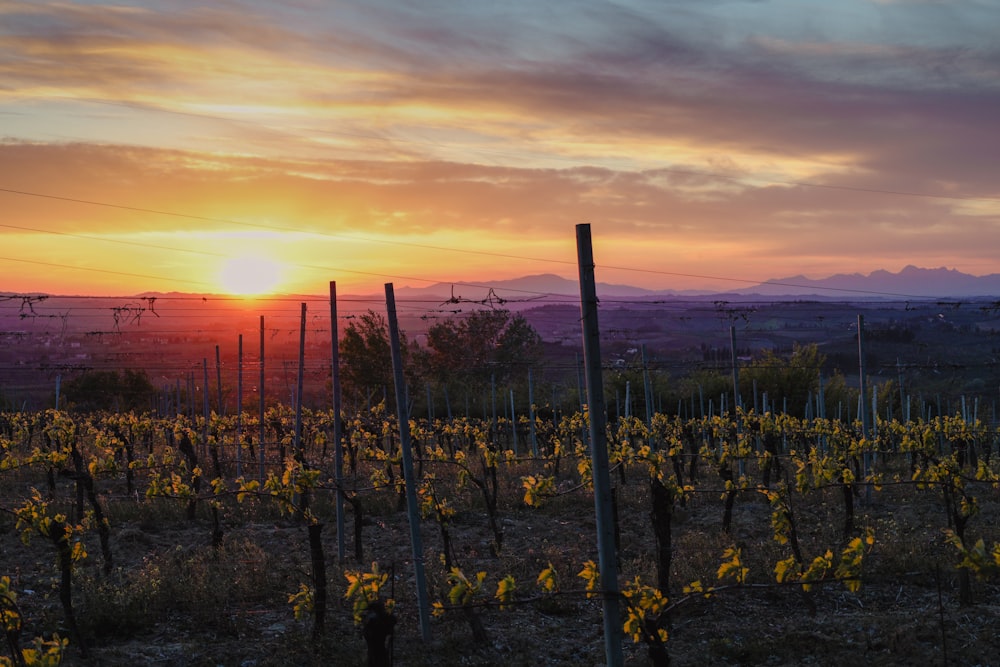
column 911, row 283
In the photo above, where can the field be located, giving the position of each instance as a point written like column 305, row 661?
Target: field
column 188, row 563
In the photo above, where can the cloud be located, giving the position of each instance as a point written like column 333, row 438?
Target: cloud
column 688, row 132
column 405, row 200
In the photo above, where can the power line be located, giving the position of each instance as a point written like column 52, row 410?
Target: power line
column 410, row 245
column 109, row 271
column 255, row 225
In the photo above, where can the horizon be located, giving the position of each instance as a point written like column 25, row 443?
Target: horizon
column 540, row 284
column 261, row 148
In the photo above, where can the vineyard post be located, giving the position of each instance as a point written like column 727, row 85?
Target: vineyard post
column 218, row 377
column 899, row 372
column 874, row 423
column 239, row 407
column 607, row 561
column 737, row 402
column 581, row 393
column 513, row 423
column 299, row 379
column 338, row 446
column 204, row 393
column 58, row 381
column 821, row 399
column 412, row 509
column 260, row 407
column 862, row 409
column 494, row 435
column 647, row 388
column 191, row 392
column 737, row 399
column 531, row 415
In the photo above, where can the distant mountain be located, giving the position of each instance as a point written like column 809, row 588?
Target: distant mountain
column 911, row 282
column 540, row 287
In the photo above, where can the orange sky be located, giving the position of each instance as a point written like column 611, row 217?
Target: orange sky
column 709, row 146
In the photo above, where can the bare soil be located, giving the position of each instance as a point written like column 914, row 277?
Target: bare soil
column 174, row 600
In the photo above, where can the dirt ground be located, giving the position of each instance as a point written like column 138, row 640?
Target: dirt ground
column 174, row 600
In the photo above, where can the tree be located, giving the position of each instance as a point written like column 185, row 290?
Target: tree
column 485, row 346
column 794, row 379
column 700, row 392
column 366, row 358
column 109, row 390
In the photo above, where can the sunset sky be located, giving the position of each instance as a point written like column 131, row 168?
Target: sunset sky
column 164, row 145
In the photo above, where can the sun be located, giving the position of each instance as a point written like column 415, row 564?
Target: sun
column 250, row 275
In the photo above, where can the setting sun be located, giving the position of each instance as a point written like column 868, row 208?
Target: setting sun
column 249, row 275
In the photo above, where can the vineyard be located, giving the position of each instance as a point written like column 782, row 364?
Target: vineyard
column 719, row 533
column 745, row 539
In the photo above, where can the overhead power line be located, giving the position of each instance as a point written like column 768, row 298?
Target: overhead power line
column 390, row 242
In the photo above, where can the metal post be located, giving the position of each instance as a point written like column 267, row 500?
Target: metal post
column 413, row 511
column 599, row 450
column 338, row 446
column 239, row 408
column 866, row 457
column 531, row 415
column 260, row 407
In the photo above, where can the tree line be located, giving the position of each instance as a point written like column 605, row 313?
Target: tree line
column 472, row 363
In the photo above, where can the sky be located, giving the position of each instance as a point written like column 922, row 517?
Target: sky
column 246, row 146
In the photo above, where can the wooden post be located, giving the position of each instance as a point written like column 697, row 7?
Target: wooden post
column 338, row 446
column 608, row 562
column 413, row 510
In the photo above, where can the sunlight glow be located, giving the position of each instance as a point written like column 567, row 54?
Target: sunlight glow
column 250, row 275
